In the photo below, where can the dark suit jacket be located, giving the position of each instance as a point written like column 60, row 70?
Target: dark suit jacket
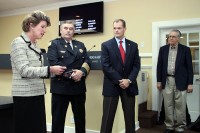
column 183, row 67
column 61, row 54
column 114, row 70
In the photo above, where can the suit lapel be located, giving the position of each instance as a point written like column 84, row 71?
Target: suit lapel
column 30, row 45
column 128, row 50
column 66, row 46
column 116, row 49
column 35, row 48
column 178, row 56
column 166, row 54
column 75, row 48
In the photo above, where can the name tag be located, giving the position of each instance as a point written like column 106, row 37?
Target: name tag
column 62, row 51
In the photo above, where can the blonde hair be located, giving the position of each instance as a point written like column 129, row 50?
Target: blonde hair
column 35, row 18
column 120, row 20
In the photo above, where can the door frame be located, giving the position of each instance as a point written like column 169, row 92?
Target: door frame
column 156, row 43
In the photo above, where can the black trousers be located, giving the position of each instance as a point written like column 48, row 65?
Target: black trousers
column 29, row 114
column 109, row 110
column 60, row 105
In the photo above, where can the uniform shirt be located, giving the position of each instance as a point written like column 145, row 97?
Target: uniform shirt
column 123, row 43
column 70, row 43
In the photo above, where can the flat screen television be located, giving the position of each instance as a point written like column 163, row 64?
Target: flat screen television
column 88, row 18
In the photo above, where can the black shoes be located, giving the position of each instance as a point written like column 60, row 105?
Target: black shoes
column 160, row 122
column 172, row 131
column 168, row 131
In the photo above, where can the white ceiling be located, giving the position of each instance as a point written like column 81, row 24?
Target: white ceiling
column 14, row 7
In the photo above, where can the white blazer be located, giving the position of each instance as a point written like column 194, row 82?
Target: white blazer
column 28, row 68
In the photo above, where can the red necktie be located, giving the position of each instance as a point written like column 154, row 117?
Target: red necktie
column 122, row 52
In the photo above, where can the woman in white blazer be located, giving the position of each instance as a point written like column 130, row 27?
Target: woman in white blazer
column 28, row 87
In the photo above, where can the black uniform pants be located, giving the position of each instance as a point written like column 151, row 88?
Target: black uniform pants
column 60, row 104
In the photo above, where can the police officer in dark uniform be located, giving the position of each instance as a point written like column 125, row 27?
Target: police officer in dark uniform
column 70, row 87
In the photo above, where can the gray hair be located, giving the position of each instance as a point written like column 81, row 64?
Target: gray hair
column 68, row 22
column 177, row 31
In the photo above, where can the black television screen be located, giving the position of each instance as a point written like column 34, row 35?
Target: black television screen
column 88, row 18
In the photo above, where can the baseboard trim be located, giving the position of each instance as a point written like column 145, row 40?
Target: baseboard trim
column 69, row 129
column 136, row 127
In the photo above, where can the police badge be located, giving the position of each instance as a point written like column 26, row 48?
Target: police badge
column 80, row 50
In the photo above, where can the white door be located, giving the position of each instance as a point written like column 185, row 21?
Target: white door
column 193, row 99
column 190, row 37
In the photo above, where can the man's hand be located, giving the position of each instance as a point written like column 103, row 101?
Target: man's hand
column 124, row 83
column 159, row 86
column 77, row 75
column 189, row 89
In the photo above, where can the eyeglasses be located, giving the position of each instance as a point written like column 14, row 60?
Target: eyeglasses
column 173, row 37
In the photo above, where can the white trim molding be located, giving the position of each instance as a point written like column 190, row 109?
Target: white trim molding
column 145, row 55
column 69, row 129
column 156, row 32
column 146, row 66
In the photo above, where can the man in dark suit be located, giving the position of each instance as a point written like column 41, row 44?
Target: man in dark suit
column 175, row 79
column 70, row 87
column 121, row 64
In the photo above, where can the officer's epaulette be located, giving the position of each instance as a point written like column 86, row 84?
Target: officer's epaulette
column 76, row 40
column 50, row 42
column 57, row 39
